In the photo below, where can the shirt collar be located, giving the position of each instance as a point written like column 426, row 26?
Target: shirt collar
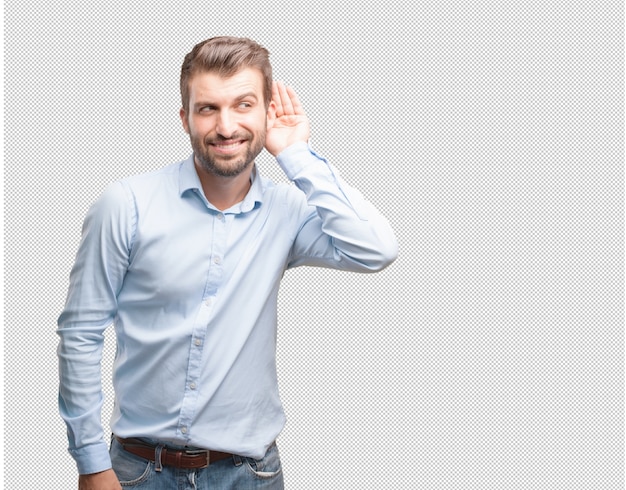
column 189, row 181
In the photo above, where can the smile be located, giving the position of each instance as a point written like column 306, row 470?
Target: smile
column 228, row 146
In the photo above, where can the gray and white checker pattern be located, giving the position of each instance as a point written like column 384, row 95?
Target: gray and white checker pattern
column 489, row 356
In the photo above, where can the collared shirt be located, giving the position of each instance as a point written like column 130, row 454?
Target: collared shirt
column 192, row 293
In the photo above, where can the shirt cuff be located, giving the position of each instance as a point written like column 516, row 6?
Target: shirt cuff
column 92, row 459
column 297, row 156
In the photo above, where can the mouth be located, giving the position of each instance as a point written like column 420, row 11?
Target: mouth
column 227, row 146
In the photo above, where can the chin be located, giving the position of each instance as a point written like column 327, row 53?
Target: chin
column 226, row 170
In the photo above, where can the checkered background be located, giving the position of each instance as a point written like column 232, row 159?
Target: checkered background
column 489, row 355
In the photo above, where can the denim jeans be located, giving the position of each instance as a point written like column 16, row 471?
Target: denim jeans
column 236, row 473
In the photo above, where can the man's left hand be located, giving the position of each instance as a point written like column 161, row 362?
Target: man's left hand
column 291, row 124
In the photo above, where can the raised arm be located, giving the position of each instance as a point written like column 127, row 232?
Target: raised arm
column 339, row 228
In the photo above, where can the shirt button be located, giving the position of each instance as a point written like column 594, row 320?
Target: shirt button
column 192, row 386
column 208, row 301
column 183, row 429
column 217, row 260
column 197, row 342
column 220, row 217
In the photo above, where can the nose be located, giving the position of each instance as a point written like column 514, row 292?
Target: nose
column 226, row 124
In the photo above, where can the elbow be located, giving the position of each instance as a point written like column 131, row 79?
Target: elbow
column 371, row 254
column 387, row 255
column 383, row 255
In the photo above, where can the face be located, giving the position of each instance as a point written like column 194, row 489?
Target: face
column 227, row 120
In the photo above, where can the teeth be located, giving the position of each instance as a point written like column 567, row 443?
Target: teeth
column 228, row 147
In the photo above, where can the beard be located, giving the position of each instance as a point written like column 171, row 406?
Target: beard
column 227, row 165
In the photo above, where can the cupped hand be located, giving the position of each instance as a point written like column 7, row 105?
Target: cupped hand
column 291, row 124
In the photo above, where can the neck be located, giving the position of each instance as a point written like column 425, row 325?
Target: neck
column 224, row 192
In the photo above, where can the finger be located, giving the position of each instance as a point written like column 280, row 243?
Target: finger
column 295, row 102
column 276, row 99
column 285, row 99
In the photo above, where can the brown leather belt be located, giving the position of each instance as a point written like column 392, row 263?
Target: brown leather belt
column 172, row 457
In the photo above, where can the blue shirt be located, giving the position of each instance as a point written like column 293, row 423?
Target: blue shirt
column 192, row 293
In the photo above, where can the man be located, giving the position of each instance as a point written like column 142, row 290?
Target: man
column 186, row 263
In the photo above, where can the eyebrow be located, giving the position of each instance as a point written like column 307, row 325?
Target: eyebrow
column 246, row 95
column 241, row 97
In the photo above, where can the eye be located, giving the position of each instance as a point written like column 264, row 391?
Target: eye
column 245, row 105
column 206, row 109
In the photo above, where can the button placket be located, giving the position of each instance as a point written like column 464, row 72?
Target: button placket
column 213, row 283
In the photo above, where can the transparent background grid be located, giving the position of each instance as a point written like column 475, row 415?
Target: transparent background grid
column 489, row 355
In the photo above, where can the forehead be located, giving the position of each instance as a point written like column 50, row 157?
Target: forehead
column 210, row 86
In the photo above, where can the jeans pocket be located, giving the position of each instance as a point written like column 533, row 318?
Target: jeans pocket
column 131, row 470
column 267, row 467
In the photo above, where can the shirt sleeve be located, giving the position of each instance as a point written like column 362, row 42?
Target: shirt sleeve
column 91, row 306
column 339, row 229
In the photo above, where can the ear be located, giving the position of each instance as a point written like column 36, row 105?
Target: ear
column 271, row 115
column 184, row 120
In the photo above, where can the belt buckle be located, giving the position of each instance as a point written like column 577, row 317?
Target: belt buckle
column 198, row 452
